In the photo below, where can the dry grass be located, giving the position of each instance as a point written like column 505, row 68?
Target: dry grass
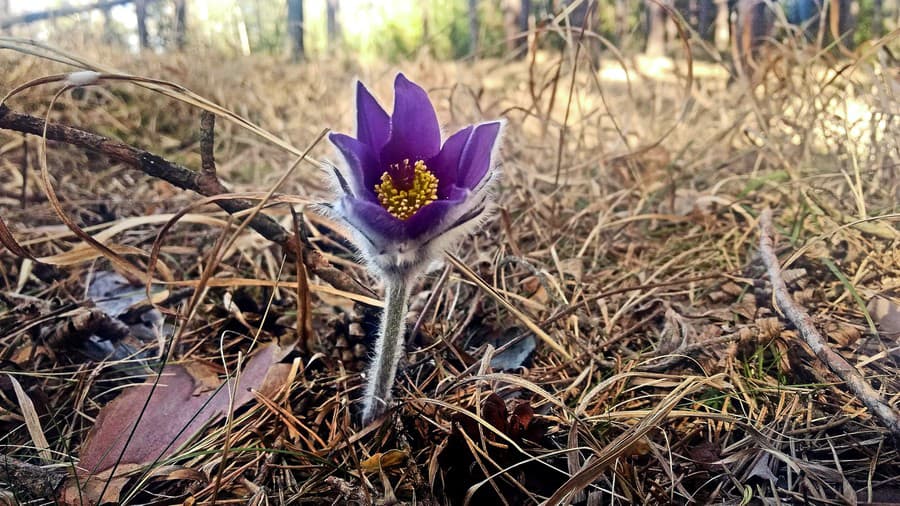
column 626, row 232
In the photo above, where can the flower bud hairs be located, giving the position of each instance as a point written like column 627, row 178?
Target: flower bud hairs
column 406, row 197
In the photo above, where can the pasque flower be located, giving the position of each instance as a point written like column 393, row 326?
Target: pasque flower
column 406, row 196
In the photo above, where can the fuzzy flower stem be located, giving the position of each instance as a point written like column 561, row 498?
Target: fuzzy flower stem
column 406, row 195
column 388, row 348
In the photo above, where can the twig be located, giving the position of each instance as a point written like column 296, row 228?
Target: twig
column 804, row 323
column 26, row 163
column 186, row 179
column 36, row 481
column 305, row 332
column 207, row 145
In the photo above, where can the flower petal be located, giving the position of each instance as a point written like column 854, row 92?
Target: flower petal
column 364, row 171
column 430, row 219
column 381, row 227
column 415, row 133
column 476, row 157
column 373, row 221
column 373, row 125
column 445, row 166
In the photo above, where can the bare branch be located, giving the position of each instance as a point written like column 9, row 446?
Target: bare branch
column 186, row 179
column 207, row 143
column 804, row 323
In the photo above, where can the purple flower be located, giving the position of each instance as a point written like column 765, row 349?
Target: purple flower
column 406, row 194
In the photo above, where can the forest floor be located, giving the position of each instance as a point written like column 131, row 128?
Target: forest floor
column 646, row 360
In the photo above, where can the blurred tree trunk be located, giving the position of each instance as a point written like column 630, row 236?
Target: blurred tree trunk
column 877, row 18
column 584, row 14
column 473, row 26
column 837, row 25
column 689, row 10
column 656, row 28
column 896, row 13
column 332, row 7
column 180, row 24
column 621, row 9
column 723, row 25
column 515, row 25
column 8, row 21
column 842, row 22
column 706, row 15
column 140, row 7
column 295, row 29
column 4, row 13
column 755, row 23
column 584, row 17
column 243, row 32
column 109, row 33
column 426, row 28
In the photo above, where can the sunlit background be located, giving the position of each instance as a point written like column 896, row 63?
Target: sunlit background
column 368, row 28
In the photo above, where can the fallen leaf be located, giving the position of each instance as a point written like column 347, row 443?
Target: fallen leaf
column 762, row 469
column 520, row 419
column 516, row 355
column 113, row 294
column 886, row 314
column 704, row 453
column 886, row 495
column 638, row 448
column 99, row 488
column 86, row 491
column 495, row 413
column 205, row 375
column 573, row 267
column 174, row 414
column 379, row 461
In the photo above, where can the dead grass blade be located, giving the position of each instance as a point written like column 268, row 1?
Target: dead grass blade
column 605, row 457
column 32, row 421
column 528, row 322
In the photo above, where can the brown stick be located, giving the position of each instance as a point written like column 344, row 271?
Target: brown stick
column 207, row 144
column 186, row 179
column 804, row 323
column 305, row 332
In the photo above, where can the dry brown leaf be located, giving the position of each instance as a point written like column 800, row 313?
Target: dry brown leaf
column 205, row 375
column 843, row 334
column 495, row 413
column 87, row 490
column 390, row 458
column 572, row 267
column 533, row 286
column 173, row 415
column 886, row 314
column 520, row 419
column 769, row 328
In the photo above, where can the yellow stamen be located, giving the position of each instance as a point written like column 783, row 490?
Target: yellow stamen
column 403, row 200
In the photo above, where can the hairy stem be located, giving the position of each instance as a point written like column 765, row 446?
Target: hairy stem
column 388, row 349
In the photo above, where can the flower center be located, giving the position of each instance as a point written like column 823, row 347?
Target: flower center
column 411, row 191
